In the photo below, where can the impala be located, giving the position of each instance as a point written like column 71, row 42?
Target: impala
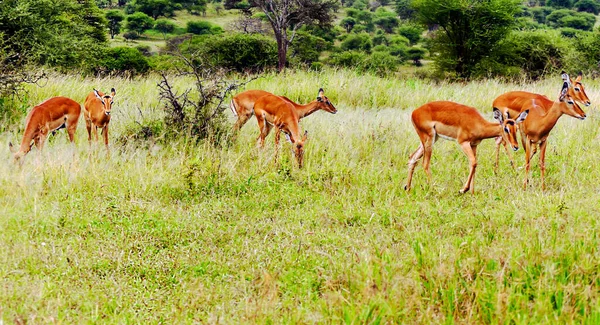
column 271, row 110
column 512, row 103
column 242, row 106
column 543, row 115
column 96, row 112
column 51, row 115
column 458, row 122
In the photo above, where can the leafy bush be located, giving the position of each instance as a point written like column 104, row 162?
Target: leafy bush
column 380, row 63
column 571, row 18
column 416, row 54
column 349, row 59
column 203, row 28
column 590, row 6
column 361, row 42
column 540, row 13
column 240, row 52
column 411, row 32
column 165, row 26
column 533, row 53
column 307, row 48
column 122, row 60
column 139, row 22
column 569, row 32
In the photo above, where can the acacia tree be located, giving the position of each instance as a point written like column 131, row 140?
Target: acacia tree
column 115, row 21
column 286, row 16
column 469, row 30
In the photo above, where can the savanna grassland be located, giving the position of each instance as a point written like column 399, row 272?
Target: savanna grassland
column 184, row 232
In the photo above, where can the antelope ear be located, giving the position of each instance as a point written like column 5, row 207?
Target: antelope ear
column 97, row 94
column 522, row 116
column 287, row 136
column 321, row 93
column 579, row 76
column 563, row 92
column 498, row 115
column 113, row 92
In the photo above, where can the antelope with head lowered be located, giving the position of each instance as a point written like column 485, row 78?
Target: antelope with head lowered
column 458, row 122
column 543, row 115
column 271, row 110
column 513, row 102
column 51, row 115
column 97, row 110
column 242, row 106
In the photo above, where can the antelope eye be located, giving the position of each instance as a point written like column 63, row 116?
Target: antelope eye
column 506, row 130
column 576, row 89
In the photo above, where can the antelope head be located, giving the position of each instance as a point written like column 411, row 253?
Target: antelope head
column 107, row 100
column 324, row 103
column 509, row 126
column 298, row 147
column 570, row 107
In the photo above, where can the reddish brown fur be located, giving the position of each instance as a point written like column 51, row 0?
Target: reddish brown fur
column 243, row 106
column 536, row 128
column 97, row 115
column 46, row 117
column 460, row 122
column 513, row 102
column 271, row 110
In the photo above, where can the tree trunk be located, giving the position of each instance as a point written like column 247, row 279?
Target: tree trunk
column 281, row 52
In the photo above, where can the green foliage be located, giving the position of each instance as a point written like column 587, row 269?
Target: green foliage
column 380, row 38
column 201, row 27
column 405, row 9
column 540, row 13
column 307, row 48
column 569, row 32
column 416, row 54
column 349, row 59
column 387, row 23
column 527, row 23
column 590, row 6
column 61, row 33
column 560, row 3
column 139, row 22
column 115, row 22
column 380, row 63
column 411, row 32
column 239, row 52
column 165, row 27
column 571, row 18
column 534, row 53
column 121, row 60
column 348, row 23
column 155, row 8
column 360, row 42
column 469, row 30
column 587, row 54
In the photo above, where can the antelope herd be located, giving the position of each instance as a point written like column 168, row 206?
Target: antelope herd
column 533, row 115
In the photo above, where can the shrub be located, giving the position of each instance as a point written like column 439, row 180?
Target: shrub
column 307, row 48
column 411, row 32
column 165, row 27
column 122, row 60
column 130, row 36
column 139, row 22
column 569, row 32
column 540, row 13
column 360, row 42
column 240, row 52
column 590, row 6
column 144, row 49
column 380, row 63
column 571, row 18
column 203, row 28
column 416, row 54
column 349, row 59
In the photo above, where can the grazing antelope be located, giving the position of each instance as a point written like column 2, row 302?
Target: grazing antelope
column 543, row 115
column 512, row 103
column 458, row 122
column 271, row 110
column 242, row 106
column 97, row 113
column 51, row 115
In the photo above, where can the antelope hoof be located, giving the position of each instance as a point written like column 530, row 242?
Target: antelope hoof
column 464, row 190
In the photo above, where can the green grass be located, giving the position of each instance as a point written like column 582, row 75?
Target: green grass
column 186, row 233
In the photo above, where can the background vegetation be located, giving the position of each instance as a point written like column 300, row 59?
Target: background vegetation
column 180, row 224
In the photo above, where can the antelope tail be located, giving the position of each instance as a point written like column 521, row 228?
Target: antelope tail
column 233, row 108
